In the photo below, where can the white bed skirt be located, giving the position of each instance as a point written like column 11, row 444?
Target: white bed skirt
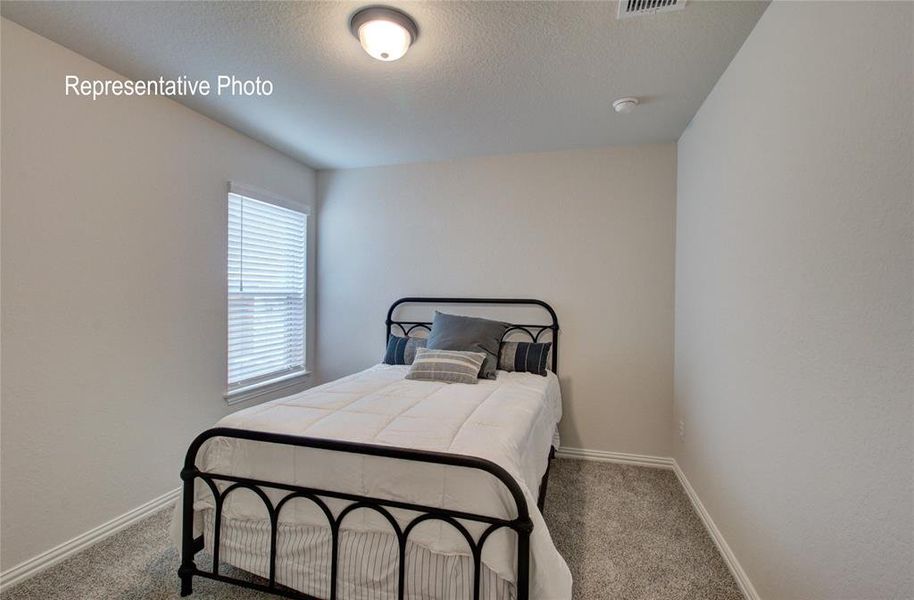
column 367, row 563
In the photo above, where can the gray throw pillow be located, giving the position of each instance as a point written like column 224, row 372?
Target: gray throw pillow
column 448, row 366
column 456, row 332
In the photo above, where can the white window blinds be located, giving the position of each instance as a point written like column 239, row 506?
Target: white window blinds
column 266, row 291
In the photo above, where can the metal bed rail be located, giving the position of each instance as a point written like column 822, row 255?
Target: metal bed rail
column 521, row 524
column 533, row 331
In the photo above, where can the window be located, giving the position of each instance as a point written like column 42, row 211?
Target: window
column 266, row 291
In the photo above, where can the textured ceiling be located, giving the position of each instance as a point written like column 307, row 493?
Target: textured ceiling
column 483, row 78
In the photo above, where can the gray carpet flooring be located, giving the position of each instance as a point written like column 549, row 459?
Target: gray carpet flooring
column 628, row 533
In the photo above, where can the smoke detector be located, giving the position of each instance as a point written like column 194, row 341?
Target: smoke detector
column 639, row 8
column 625, row 105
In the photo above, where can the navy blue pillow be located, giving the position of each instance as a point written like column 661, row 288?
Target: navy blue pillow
column 524, row 356
column 402, row 350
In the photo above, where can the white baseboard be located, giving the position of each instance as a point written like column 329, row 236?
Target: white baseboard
column 640, row 460
column 34, row 565
column 739, row 574
column 660, row 462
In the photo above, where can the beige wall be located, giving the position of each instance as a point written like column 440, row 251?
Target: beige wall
column 113, row 283
column 590, row 232
column 794, row 302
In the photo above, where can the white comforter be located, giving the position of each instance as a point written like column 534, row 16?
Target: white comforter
column 509, row 421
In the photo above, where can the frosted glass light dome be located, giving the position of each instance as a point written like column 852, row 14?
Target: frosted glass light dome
column 384, row 33
column 384, row 40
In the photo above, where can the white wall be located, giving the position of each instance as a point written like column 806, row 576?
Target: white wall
column 113, row 281
column 794, row 302
column 590, row 232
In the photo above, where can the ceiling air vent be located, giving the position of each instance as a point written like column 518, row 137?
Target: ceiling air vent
column 638, row 8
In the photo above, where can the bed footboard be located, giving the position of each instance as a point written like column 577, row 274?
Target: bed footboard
column 521, row 524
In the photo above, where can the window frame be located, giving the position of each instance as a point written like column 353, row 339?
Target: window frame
column 285, row 380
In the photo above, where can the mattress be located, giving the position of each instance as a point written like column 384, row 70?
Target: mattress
column 510, row 421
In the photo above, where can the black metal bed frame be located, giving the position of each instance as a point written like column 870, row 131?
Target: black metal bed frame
column 521, row 523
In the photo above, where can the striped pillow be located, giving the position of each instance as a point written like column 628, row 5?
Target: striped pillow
column 524, row 356
column 449, row 366
column 402, row 350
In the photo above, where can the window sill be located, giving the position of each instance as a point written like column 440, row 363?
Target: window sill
column 266, row 387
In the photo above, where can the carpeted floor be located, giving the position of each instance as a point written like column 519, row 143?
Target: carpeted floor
column 628, row 533
column 631, row 533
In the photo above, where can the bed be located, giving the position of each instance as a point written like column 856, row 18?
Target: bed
column 376, row 487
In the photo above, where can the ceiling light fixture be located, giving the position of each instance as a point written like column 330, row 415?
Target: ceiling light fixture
column 385, row 33
column 625, row 105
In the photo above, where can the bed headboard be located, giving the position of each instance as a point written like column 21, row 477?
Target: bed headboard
column 534, row 332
